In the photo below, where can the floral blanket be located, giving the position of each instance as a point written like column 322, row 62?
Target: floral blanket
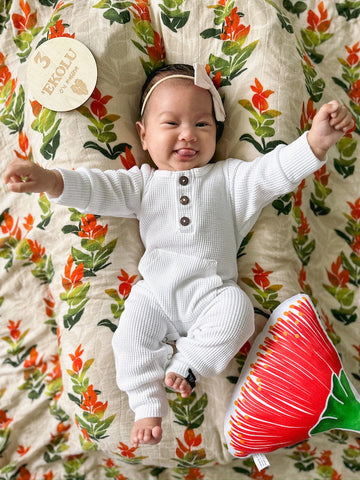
column 65, row 276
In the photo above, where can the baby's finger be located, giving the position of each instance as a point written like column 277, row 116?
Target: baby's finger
column 339, row 113
column 340, row 117
column 350, row 126
column 20, row 186
column 343, row 126
column 15, row 171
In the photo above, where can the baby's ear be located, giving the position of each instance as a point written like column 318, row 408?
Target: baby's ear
column 141, row 131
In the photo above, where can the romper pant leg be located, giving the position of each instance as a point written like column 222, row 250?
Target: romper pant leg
column 140, row 354
column 219, row 332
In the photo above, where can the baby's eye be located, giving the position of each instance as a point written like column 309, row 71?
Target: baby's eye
column 202, row 124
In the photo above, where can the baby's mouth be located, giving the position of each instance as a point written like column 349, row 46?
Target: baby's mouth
column 186, row 152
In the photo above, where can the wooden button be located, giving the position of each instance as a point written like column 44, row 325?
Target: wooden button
column 185, row 221
column 183, row 180
column 184, row 200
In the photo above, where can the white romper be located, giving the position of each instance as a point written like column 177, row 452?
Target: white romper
column 191, row 223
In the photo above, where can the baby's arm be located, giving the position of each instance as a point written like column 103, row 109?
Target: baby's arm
column 330, row 123
column 24, row 176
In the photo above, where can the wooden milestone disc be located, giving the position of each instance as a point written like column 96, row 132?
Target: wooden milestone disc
column 61, row 74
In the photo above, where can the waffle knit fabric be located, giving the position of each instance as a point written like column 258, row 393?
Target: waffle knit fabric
column 191, row 223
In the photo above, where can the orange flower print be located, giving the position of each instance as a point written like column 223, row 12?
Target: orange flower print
column 85, row 434
column 157, row 51
column 325, row 460
column 24, row 145
column 5, row 74
column 14, row 329
column 140, row 10
column 90, row 228
column 4, row 420
column 29, row 222
column 297, row 197
column 37, row 251
column 21, row 450
column 305, row 447
column 35, row 361
column 353, row 57
column 62, row 428
column 318, row 23
column 259, row 100
column 355, row 245
column 11, row 227
column 72, row 277
column 127, row 451
column 233, row 29
column 109, row 463
column 322, row 176
column 307, row 115
column 76, row 359
column 58, row 30
column 24, row 474
column 91, row 425
column 97, row 106
column 302, row 279
column 355, row 209
column 91, row 404
column 336, row 277
column 128, row 160
column 50, row 304
column 126, row 283
column 191, row 441
column 5, row 78
column 48, row 476
column 36, row 108
column 56, row 372
column 261, row 277
column 194, row 474
column 303, row 228
column 354, row 93
column 26, row 21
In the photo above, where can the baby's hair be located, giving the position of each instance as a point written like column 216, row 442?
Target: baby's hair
column 161, row 72
column 168, row 71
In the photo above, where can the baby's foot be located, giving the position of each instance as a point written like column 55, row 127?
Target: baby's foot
column 179, row 384
column 146, row 430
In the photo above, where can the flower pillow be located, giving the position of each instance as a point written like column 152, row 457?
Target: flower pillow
column 291, row 387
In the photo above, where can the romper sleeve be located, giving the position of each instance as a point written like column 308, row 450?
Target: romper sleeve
column 255, row 184
column 116, row 193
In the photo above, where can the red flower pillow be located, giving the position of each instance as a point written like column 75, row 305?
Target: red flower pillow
column 292, row 385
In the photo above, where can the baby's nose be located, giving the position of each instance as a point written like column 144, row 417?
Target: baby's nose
column 187, row 133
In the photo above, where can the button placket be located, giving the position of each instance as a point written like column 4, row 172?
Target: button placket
column 184, row 203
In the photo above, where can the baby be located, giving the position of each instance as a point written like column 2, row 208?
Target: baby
column 187, row 317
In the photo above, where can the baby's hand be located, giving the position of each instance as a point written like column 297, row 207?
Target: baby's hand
column 331, row 122
column 23, row 176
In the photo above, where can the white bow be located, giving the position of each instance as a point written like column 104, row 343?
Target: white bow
column 203, row 80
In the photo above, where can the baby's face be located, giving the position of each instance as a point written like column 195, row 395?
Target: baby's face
column 178, row 128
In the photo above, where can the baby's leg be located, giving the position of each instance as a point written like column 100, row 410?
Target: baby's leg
column 218, row 334
column 141, row 357
column 146, row 430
